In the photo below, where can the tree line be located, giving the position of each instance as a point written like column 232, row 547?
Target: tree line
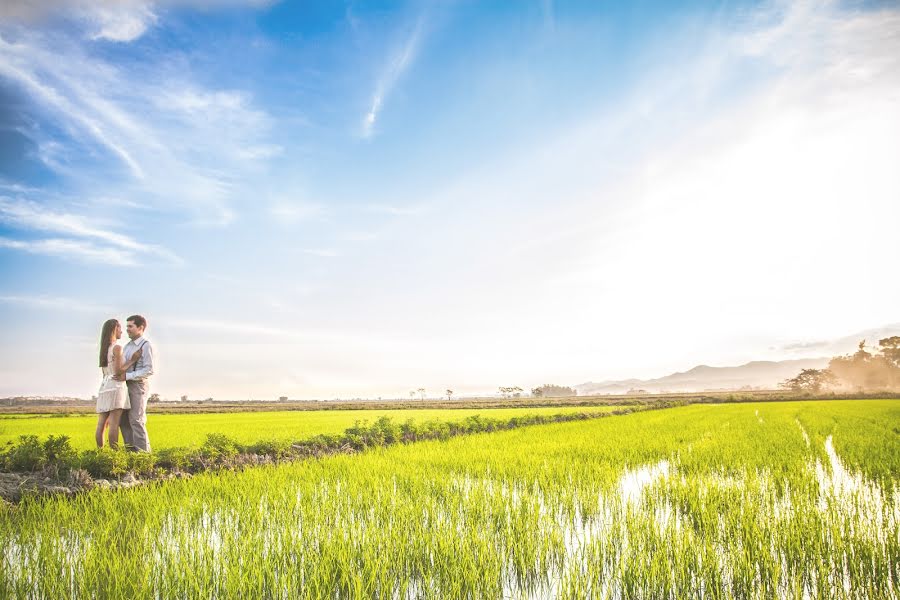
column 861, row 371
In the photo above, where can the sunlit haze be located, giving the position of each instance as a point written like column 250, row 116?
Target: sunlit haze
column 341, row 199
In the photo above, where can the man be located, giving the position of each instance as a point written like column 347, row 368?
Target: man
column 134, row 421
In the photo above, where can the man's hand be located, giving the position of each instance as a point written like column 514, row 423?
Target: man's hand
column 119, row 377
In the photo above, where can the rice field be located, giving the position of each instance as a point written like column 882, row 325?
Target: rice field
column 786, row 500
column 191, row 429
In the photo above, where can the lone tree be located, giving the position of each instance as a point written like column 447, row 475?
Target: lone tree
column 890, row 349
column 810, row 380
column 422, row 393
column 412, row 394
column 449, row 394
column 184, row 399
column 865, row 370
column 153, row 398
column 553, row 391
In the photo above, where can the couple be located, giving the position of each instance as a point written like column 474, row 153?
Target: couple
column 122, row 400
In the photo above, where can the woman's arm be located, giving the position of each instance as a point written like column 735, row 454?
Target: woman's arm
column 122, row 365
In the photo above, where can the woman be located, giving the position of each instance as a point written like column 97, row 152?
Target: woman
column 112, row 400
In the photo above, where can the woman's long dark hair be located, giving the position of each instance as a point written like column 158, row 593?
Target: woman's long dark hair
column 105, row 340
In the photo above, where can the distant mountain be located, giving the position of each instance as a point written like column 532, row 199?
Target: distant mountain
column 756, row 374
column 763, row 374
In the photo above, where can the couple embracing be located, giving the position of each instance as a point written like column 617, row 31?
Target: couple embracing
column 122, row 399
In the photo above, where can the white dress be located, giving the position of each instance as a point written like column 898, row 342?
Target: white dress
column 113, row 394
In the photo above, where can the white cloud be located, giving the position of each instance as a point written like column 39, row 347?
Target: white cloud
column 111, row 20
column 398, row 64
column 547, row 11
column 119, row 22
column 315, row 340
column 34, row 217
column 227, row 327
column 184, row 147
column 359, row 236
column 398, row 210
column 15, row 66
column 321, row 252
column 54, row 303
column 290, row 212
column 82, row 251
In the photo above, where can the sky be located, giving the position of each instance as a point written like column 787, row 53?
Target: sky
column 343, row 199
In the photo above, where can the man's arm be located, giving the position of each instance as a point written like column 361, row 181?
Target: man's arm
column 145, row 365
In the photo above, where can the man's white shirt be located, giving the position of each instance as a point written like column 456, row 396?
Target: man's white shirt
column 144, row 366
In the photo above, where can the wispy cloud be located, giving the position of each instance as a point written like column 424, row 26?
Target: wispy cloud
column 119, row 21
column 397, row 210
column 548, row 13
column 398, row 64
column 82, row 251
column 316, row 339
column 19, row 65
column 290, row 212
column 359, row 236
column 230, row 327
column 322, row 252
column 805, row 346
column 182, row 145
column 54, row 303
column 102, row 245
column 111, row 20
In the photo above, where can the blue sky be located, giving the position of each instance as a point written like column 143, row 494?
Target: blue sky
column 359, row 199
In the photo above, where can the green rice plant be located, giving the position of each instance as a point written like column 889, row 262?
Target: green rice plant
column 191, row 429
column 796, row 499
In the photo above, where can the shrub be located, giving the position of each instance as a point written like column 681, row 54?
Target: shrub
column 273, row 448
column 357, row 441
column 59, row 449
column 358, row 429
column 408, row 431
column 361, row 435
column 105, row 462
column 61, row 456
column 218, row 447
column 179, row 459
column 27, row 455
column 473, row 424
column 321, row 442
column 386, row 430
column 435, row 429
column 141, row 463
